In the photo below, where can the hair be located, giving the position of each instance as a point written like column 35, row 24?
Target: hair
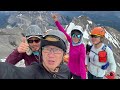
column 102, row 39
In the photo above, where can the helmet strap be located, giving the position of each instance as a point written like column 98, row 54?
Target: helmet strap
column 98, row 43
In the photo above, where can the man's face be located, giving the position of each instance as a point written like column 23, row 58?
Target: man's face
column 52, row 56
column 34, row 43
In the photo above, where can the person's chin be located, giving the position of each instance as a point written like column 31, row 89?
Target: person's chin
column 76, row 42
column 51, row 67
column 94, row 42
column 35, row 49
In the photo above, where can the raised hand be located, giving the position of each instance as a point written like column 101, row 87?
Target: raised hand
column 55, row 17
column 23, row 47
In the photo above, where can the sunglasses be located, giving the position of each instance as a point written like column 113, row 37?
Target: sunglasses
column 31, row 41
column 78, row 36
column 94, row 36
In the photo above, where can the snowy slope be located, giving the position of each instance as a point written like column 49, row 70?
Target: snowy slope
column 112, row 39
column 69, row 27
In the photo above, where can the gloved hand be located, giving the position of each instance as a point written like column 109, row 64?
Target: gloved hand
column 111, row 75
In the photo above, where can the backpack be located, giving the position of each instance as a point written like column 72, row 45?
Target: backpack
column 102, row 55
column 88, row 48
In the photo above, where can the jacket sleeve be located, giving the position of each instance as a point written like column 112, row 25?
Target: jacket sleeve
column 82, row 62
column 62, row 30
column 9, row 71
column 111, row 60
column 14, row 57
column 86, row 59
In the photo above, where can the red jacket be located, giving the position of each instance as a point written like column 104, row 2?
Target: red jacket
column 15, row 57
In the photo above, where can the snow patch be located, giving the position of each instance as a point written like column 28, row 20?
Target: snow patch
column 19, row 64
column 70, row 27
column 79, row 16
column 89, row 43
column 90, row 22
column 2, row 60
column 118, row 64
column 114, row 41
column 85, row 34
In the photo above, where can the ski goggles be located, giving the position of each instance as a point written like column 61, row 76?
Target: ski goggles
column 77, row 36
column 31, row 41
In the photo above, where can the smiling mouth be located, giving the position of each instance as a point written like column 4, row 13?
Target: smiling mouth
column 35, row 48
column 51, row 62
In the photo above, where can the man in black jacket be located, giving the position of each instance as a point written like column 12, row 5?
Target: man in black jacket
column 53, row 48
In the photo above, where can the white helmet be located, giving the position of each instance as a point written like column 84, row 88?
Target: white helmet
column 33, row 31
column 79, row 28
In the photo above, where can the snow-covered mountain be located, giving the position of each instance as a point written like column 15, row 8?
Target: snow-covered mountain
column 18, row 21
column 107, row 18
column 23, row 19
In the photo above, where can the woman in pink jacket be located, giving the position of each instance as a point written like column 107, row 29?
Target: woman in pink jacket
column 77, row 51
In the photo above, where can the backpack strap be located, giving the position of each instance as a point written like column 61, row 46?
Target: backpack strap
column 94, row 52
column 88, row 49
column 105, row 66
column 104, row 47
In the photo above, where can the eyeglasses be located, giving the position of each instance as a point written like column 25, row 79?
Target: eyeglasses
column 31, row 41
column 94, row 36
column 78, row 36
column 46, row 49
